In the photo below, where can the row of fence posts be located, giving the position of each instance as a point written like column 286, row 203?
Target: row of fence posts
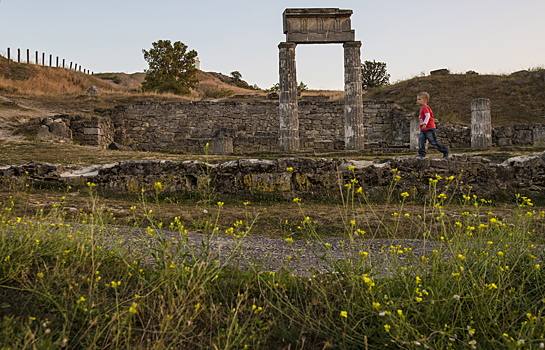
column 58, row 65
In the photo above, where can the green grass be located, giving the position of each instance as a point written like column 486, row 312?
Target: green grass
column 73, row 281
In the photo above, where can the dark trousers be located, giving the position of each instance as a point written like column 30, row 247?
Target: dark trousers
column 432, row 138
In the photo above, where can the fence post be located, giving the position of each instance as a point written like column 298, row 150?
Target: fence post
column 63, row 63
column 50, row 60
column 18, row 55
column 43, row 58
column 9, row 54
column 57, row 61
column 27, row 56
column 37, row 58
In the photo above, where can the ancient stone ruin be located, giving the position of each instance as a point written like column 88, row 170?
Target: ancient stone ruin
column 288, row 124
column 302, row 177
column 320, row 26
column 233, row 127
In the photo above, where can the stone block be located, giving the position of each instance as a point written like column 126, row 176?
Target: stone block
column 92, row 131
column 318, row 25
column 504, row 142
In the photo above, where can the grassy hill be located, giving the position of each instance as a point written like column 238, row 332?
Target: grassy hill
column 518, row 98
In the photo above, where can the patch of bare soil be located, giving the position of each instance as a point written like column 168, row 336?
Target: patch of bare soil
column 13, row 115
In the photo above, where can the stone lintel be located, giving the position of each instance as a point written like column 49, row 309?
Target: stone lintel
column 318, row 25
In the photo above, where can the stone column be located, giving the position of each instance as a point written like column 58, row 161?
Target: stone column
column 289, row 114
column 223, row 145
column 353, row 99
column 414, row 132
column 481, row 123
column 538, row 135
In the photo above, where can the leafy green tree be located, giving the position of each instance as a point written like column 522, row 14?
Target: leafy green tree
column 275, row 87
column 302, row 86
column 237, row 76
column 171, row 68
column 374, row 74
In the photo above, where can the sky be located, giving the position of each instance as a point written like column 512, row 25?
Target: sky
column 411, row 37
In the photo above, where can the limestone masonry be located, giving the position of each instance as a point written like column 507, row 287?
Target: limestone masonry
column 303, row 177
column 251, row 127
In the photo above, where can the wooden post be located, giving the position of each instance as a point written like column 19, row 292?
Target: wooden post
column 50, row 60
column 27, row 56
column 9, row 54
column 70, row 65
column 57, row 61
column 63, row 63
column 43, row 58
column 36, row 58
column 18, row 55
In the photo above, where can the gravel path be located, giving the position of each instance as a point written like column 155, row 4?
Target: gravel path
column 300, row 257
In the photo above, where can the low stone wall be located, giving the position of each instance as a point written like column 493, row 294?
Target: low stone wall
column 250, row 127
column 302, row 177
column 520, row 134
column 92, row 131
column 457, row 136
column 246, row 127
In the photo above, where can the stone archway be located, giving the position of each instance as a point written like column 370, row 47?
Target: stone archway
column 320, row 26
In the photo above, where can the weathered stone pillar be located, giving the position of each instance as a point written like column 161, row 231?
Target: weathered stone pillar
column 538, row 136
column 481, row 123
column 223, row 145
column 289, row 114
column 353, row 99
column 414, row 133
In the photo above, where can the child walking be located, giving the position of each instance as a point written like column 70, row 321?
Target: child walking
column 427, row 127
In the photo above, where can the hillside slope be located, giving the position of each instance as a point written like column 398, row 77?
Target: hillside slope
column 518, row 98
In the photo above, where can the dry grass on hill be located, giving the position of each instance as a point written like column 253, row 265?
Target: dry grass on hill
column 36, row 80
column 518, row 98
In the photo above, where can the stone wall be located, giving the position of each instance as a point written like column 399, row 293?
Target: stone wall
column 520, row 134
column 457, row 136
column 92, row 131
column 303, row 177
column 253, row 126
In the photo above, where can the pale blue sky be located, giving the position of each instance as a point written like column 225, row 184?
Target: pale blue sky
column 487, row 36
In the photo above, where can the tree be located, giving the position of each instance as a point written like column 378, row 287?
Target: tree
column 374, row 74
column 275, row 87
column 237, row 76
column 171, row 68
column 302, row 86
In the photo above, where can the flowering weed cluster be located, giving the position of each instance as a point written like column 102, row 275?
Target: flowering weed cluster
column 477, row 282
